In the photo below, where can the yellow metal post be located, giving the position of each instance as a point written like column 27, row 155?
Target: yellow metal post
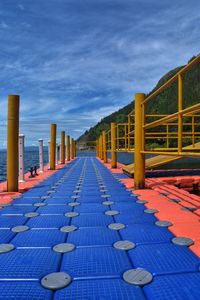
column 97, row 150
column 12, row 143
column 129, row 130
column 68, row 147
column 53, row 147
column 105, row 159
column 113, row 146
column 180, row 107
column 72, row 148
column 62, row 148
column 139, row 171
column 100, row 147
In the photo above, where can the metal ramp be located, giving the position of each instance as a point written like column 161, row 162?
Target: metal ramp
column 157, row 161
column 74, row 224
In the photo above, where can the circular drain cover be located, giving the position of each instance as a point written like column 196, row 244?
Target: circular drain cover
column 182, row 241
column 45, row 197
column 68, row 228
column 39, row 204
column 5, row 204
column 187, row 208
column 102, row 191
column 116, row 226
column 20, row 228
column 105, row 196
column 75, row 196
column 77, row 191
column 56, row 281
column 64, row 247
column 31, row 214
column 112, row 212
column 108, row 203
column 102, row 186
column 164, row 193
column 150, row 211
column 74, row 204
column 174, row 200
column 163, row 223
column 141, row 201
column 50, row 192
column 71, row 214
column 137, row 277
column 6, row 248
column 124, row 245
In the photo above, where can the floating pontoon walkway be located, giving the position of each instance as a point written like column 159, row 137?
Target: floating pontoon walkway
column 101, row 242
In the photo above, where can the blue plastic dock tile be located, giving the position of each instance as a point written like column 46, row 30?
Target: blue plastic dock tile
column 93, row 236
column 39, row 238
column 17, row 209
column 111, row 289
column 164, row 258
column 27, row 200
column 11, row 221
column 90, row 208
column 28, row 263
column 51, row 221
column 93, row 220
column 95, row 261
column 128, row 206
column 90, row 199
column 174, row 287
column 54, row 200
column 6, row 235
column 146, row 234
column 23, row 290
column 128, row 219
column 54, row 209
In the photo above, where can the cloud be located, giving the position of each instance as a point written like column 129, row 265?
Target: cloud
column 3, row 25
column 74, row 62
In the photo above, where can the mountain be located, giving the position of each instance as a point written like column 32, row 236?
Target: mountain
column 164, row 103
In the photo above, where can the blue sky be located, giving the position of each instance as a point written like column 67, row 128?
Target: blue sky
column 75, row 61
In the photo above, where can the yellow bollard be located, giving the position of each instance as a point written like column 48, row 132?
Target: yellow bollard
column 62, row 148
column 75, row 149
column 12, row 143
column 139, row 166
column 68, row 147
column 53, row 147
column 72, row 148
column 113, row 146
column 97, row 148
column 105, row 159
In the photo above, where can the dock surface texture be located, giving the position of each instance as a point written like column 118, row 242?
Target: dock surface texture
column 88, row 209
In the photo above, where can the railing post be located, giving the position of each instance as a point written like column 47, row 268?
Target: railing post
column 62, row 148
column 139, row 166
column 105, row 159
column 97, row 148
column 101, row 147
column 129, row 130
column 41, row 155
column 12, row 143
column 21, row 158
column 68, row 147
column 180, row 116
column 53, row 147
column 113, row 146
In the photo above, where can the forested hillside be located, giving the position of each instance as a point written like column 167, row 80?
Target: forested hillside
column 163, row 103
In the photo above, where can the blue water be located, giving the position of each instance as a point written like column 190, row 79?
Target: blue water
column 32, row 159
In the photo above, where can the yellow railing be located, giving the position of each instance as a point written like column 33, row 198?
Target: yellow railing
column 169, row 132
